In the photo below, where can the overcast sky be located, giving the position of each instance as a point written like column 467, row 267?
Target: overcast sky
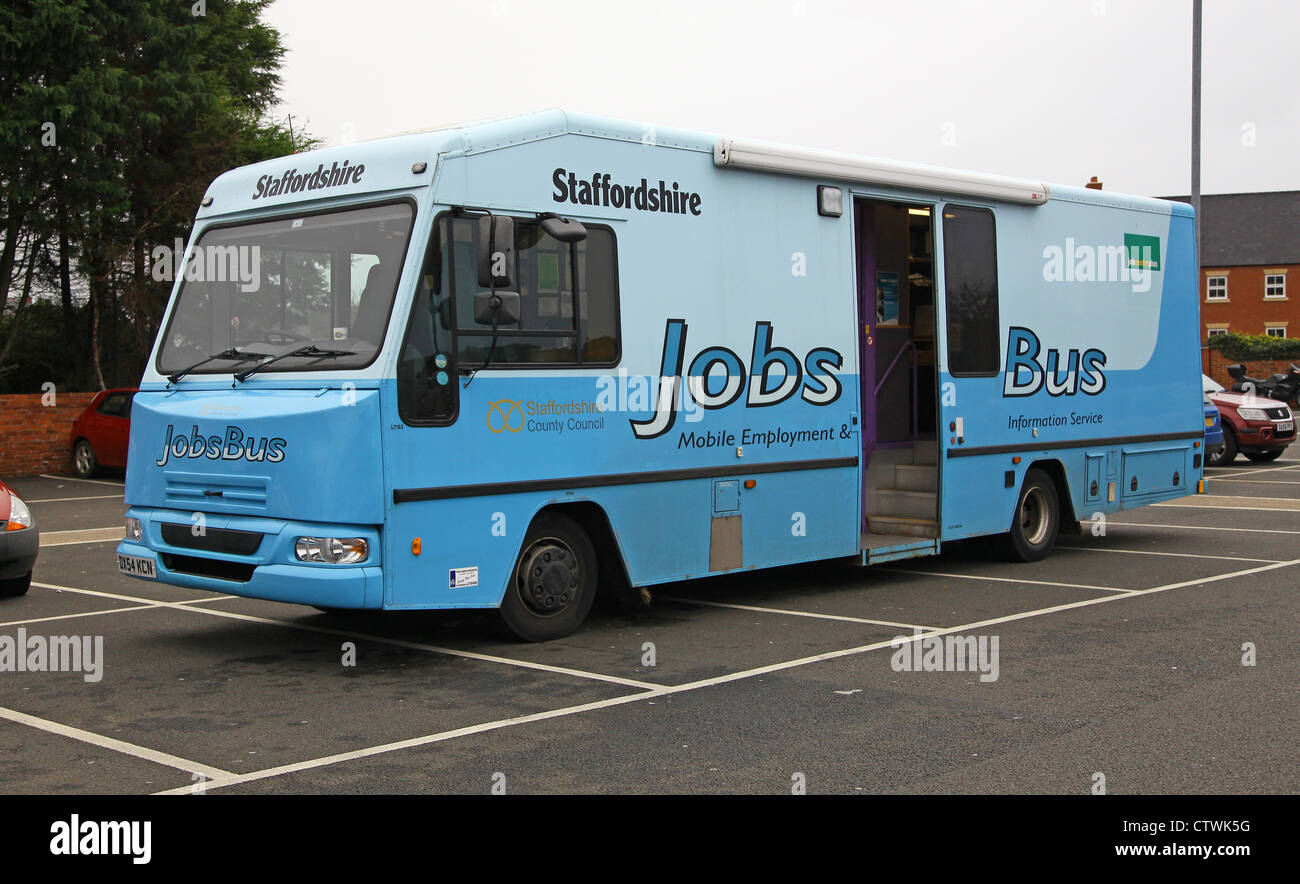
column 1057, row 90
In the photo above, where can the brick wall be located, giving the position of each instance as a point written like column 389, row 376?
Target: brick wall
column 34, row 438
column 1215, row 365
column 1246, row 309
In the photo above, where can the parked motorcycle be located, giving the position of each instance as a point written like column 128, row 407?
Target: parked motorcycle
column 1282, row 387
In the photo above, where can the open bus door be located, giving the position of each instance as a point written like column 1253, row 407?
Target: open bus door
column 894, row 247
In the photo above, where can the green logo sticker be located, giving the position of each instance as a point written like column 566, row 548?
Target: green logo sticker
column 1143, row 251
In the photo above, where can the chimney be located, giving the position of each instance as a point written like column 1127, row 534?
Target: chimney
column 1094, row 184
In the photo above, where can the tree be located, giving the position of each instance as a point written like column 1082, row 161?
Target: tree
column 114, row 116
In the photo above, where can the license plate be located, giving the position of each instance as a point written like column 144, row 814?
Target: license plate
column 137, row 566
column 1285, row 426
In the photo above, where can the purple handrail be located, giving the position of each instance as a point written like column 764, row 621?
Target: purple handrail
column 884, row 377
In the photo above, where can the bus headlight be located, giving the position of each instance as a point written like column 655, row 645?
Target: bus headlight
column 133, row 529
column 332, row 550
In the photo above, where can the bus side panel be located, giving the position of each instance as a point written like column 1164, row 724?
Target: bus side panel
column 664, row 529
column 1146, row 332
column 757, row 277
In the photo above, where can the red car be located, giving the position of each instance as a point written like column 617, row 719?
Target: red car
column 100, row 434
column 1257, row 427
column 19, row 542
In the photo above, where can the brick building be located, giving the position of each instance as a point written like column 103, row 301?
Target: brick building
column 1250, row 264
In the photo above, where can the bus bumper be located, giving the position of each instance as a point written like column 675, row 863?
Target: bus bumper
column 271, row 572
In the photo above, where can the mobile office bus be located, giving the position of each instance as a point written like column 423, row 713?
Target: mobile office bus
column 501, row 365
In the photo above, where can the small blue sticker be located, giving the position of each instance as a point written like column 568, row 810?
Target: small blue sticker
column 442, row 378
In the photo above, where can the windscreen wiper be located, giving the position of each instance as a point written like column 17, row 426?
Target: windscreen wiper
column 229, row 353
column 309, row 350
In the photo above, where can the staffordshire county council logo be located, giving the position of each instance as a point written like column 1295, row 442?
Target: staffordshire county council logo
column 505, row 415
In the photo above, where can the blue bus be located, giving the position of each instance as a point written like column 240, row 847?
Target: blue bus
column 507, row 364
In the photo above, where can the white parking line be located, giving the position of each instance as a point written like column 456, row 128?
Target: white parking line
column 378, row 639
column 76, row 733
column 1004, row 579
column 75, row 616
column 215, row 598
column 1197, row 527
column 81, row 535
column 1149, row 552
column 86, row 497
column 236, row 779
column 1295, row 506
column 1230, row 471
column 1218, row 480
column 90, row 481
column 786, row 611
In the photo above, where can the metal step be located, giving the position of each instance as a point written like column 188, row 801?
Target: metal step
column 925, row 451
column 916, row 477
column 901, row 502
column 892, row 547
column 903, row 525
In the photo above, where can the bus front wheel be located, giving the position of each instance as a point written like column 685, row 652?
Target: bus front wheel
column 554, row 581
column 1037, row 519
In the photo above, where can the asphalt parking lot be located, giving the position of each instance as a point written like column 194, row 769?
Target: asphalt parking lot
column 1120, row 655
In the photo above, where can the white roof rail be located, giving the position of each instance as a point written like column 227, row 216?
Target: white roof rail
column 762, row 157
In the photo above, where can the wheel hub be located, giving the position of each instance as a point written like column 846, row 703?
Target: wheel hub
column 550, row 577
column 1034, row 518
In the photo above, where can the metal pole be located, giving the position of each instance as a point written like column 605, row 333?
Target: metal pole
column 1196, row 125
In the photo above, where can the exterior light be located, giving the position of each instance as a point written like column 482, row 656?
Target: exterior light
column 830, row 201
column 331, row 550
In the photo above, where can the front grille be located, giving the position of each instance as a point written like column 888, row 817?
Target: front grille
column 1278, row 414
column 220, row 540
column 200, row 491
column 215, row 568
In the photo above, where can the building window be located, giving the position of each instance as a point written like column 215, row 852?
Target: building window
column 1275, row 331
column 1275, row 285
column 1214, row 332
column 1216, row 288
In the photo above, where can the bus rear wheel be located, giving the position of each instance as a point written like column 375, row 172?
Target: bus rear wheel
column 554, row 581
column 1037, row 519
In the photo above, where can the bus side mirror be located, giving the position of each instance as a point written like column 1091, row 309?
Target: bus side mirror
column 496, row 251
column 563, row 229
column 496, row 308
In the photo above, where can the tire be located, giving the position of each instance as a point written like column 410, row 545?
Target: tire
column 1036, row 521
column 1228, row 453
column 554, row 580
column 1263, row 456
column 84, row 462
column 15, row 586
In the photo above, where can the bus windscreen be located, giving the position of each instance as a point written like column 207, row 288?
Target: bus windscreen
column 276, row 286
